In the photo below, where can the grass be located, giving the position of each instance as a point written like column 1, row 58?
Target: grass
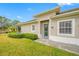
column 27, row 47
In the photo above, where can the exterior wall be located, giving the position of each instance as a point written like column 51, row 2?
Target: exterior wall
column 67, row 40
column 62, row 38
column 54, row 25
column 77, row 27
column 45, row 17
column 28, row 28
column 25, row 28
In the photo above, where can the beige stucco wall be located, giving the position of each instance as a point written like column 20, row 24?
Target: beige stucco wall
column 54, row 25
column 77, row 27
column 46, row 17
column 27, row 28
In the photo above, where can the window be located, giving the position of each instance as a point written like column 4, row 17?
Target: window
column 66, row 27
column 33, row 27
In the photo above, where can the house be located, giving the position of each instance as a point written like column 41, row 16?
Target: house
column 55, row 25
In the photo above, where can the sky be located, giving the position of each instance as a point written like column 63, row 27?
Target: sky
column 25, row 11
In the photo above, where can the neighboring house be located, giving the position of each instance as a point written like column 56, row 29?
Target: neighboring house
column 55, row 25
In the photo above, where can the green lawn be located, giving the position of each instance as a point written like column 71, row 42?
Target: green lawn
column 27, row 47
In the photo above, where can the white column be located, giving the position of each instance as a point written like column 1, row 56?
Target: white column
column 39, row 29
column 49, row 27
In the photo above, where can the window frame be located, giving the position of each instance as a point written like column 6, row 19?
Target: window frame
column 73, row 27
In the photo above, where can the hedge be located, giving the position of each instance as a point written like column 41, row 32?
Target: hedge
column 30, row 36
column 23, row 35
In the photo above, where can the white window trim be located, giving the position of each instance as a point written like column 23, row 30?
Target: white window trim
column 73, row 27
column 31, row 28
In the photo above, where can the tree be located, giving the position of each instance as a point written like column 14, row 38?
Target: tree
column 8, row 24
column 14, row 22
column 4, row 23
column 13, row 27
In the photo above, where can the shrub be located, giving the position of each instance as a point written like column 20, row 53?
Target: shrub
column 15, row 35
column 31, row 36
column 23, row 35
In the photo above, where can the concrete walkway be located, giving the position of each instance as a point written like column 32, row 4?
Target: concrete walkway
column 64, row 46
